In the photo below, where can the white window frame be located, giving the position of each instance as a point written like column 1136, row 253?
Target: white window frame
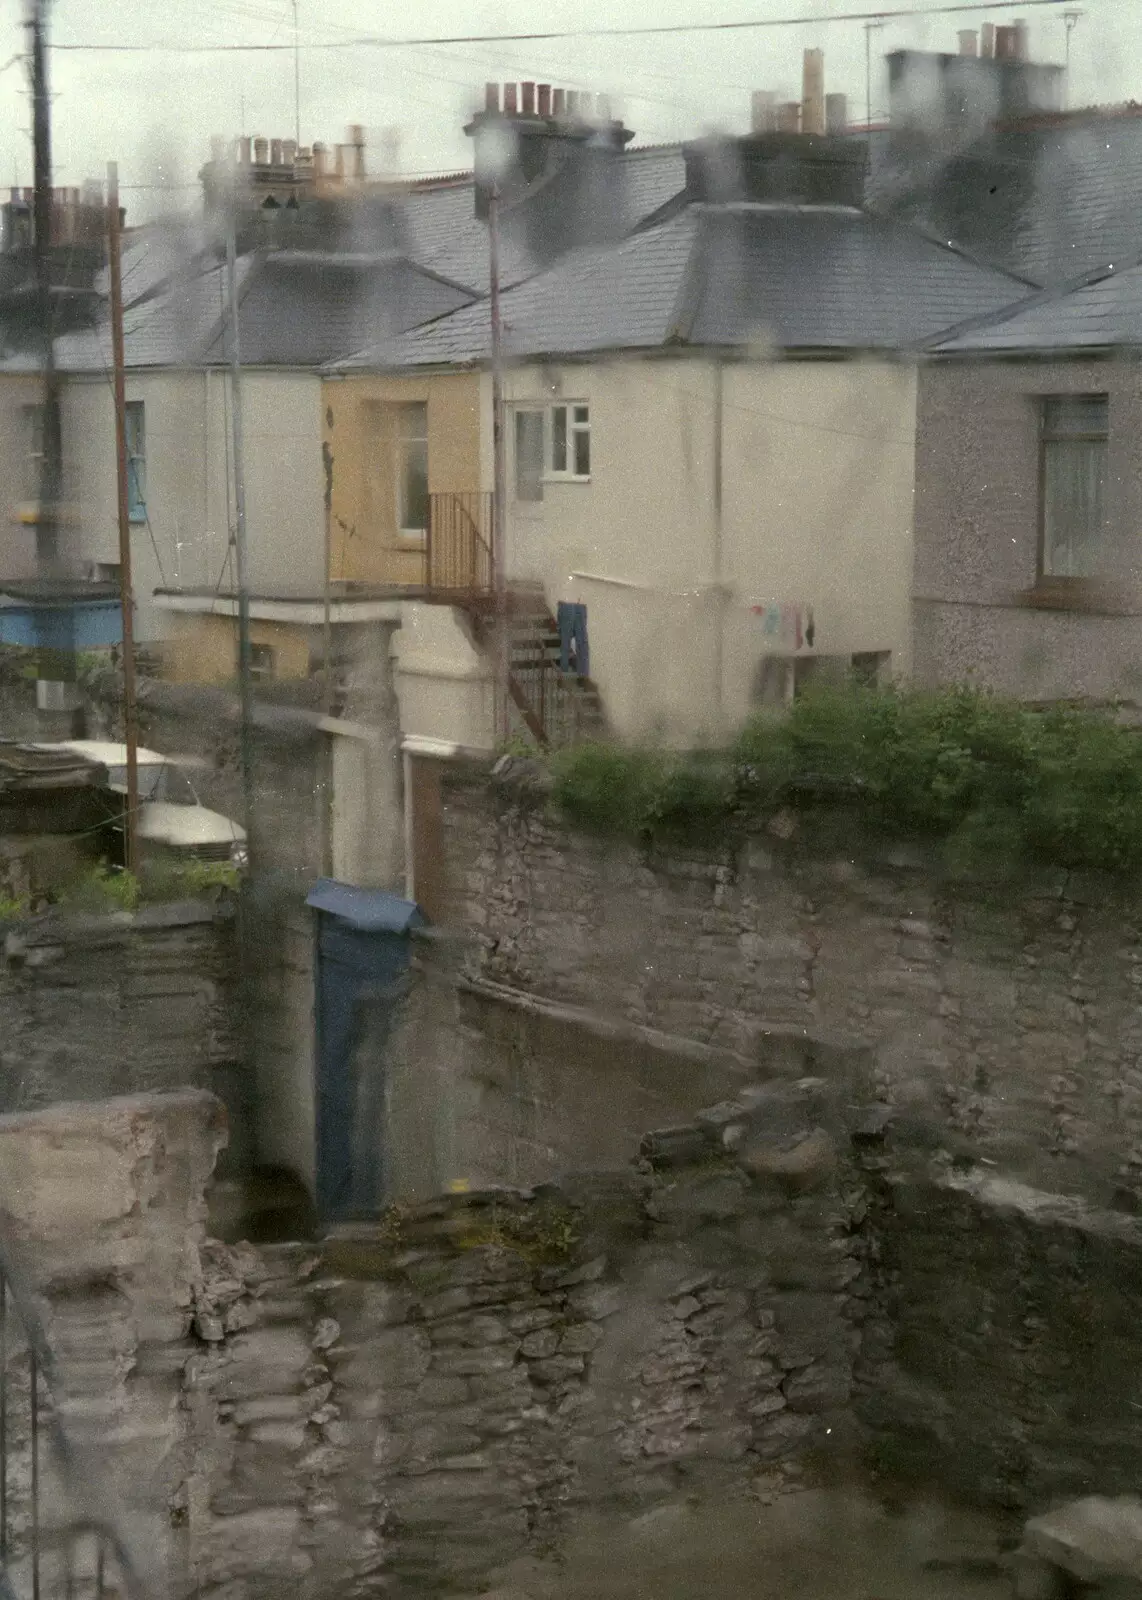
column 573, row 429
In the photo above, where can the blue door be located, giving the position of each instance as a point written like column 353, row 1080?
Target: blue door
column 362, row 961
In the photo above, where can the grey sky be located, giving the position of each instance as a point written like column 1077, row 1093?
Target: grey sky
column 155, row 112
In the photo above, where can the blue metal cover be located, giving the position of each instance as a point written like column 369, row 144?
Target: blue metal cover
column 369, row 910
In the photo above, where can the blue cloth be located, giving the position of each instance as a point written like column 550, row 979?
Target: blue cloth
column 574, row 653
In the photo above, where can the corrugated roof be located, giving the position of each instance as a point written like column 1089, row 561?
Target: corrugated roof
column 801, row 277
column 1050, row 201
column 1098, row 315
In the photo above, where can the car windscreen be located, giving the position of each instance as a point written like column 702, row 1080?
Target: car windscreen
column 157, row 783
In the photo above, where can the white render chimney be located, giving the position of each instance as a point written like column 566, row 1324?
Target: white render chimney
column 813, row 92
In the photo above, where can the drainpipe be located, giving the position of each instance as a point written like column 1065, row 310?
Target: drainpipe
column 720, row 600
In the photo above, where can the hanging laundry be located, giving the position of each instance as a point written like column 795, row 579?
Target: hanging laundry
column 574, row 653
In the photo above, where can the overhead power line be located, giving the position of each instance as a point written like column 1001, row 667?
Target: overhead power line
column 377, row 42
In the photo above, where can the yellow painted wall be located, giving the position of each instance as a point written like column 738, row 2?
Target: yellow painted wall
column 204, row 649
column 360, row 417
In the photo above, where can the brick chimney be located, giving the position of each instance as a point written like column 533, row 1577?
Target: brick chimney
column 954, row 98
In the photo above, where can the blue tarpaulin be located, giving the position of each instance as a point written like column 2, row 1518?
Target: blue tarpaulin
column 367, row 910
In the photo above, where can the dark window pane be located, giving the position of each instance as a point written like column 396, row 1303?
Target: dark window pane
column 529, row 455
column 559, row 439
column 1070, row 414
column 582, row 452
column 414, row 485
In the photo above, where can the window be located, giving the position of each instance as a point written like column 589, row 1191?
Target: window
column 136, row 462
column 261, row 661
column 529, row 455
column 412, row 469
column 34, row 450
column 570, row 441
column 1074, row 434
column 550, row 443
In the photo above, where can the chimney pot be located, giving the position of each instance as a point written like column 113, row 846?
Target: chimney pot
column 762, row 111
column 558, row 102
column 543, row 99
column 527, row 91
column 605, row 109
column 275, row 152
column 1020, row 41
column 339, row 161
column 987, row 40
column 574, row 98
column 260, row 152
column 789, row 117
column 318, row 159
column 969, row 43
column 289, row 151
column 491, row 97
column 813, row 92
column 1004, row 43
column 836, row 113
column 244, row 151
column 511, row 104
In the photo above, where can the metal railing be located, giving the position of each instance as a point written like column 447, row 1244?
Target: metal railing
column 58, row 1539
column 458, row 543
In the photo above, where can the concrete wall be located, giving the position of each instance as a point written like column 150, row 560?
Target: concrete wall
column 189, row 481
column 816, row 476
column 204, row 649
column 977, row 534
column 360, row 422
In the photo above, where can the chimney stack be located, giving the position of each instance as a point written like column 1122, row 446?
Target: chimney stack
column 987, row 40
column 357, row 146
column 762, row 111
column 836, row 113
column 813, row 92
column 789, row 117
column 969, row 44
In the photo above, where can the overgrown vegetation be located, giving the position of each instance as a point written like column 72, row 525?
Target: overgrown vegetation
column 985, row 778
column 107, row 888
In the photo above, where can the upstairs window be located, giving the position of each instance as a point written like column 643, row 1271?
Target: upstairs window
column 136, row 462
column 412, row 469
column 570, row 441
column 1074, row 451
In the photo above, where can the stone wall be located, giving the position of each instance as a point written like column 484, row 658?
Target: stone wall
column 96, row 1006
column 1006, row 1018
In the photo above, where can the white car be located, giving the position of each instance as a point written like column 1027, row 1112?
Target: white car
column 172, row 819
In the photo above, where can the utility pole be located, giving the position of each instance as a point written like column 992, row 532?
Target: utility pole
column 55, row 687
column 499, row 468
column 245, row 711
column 868, row 27
column 126, row 591
column 296, row 81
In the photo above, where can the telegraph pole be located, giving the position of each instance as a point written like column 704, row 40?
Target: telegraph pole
column 55, row 688
column 126, row 593
column 499, row 468
column 245, row 710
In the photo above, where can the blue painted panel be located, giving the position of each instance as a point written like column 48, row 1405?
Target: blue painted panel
column 359, row 982
column 83, row 627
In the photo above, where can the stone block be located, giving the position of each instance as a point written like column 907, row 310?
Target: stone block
column 803, row 1164
column 1093, row 1539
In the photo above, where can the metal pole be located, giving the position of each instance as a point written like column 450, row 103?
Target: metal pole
column 56, row 662
column 239, row 514
column 3, row 1422
column 296, row 81
column 499, row 468
column 326, row 605
column 126, row 590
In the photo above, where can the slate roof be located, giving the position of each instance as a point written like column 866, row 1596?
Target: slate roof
column 445, row 234
column 1050, row 201
column 1097, row 315
column 801, row 277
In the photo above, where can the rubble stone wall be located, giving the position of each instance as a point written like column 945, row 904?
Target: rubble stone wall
column 1004, row 1018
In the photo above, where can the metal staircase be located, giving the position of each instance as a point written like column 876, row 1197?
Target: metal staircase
column 552, row 706
column 58, row 1531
